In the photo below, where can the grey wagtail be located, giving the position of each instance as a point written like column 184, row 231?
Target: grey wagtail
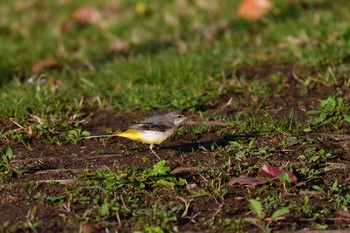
column 153, row 130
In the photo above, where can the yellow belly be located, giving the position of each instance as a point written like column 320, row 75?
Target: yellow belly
column 130, row 134
column 146, row 136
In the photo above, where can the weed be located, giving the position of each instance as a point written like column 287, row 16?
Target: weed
column 334, row 109
column 75, row 134
column 256, row 207
column 157, row 176
column 5, row 164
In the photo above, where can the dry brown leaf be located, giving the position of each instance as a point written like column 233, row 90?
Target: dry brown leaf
column 55, row 81
column 190, row 170
column 111, row 11
column 245, row 180
column 192, row 187
column 67, row 26
column 171, row 19
column 22, row 6
column 45, row 63
column 253, row 9
column 206, row 5
column 119, row 45
column 89, row 228
column 30, row 131
column 12, row 198
column 86, row 15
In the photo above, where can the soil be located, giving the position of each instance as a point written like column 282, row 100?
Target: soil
column 61, row 162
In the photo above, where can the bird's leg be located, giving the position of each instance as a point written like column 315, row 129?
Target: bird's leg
column 151, row 148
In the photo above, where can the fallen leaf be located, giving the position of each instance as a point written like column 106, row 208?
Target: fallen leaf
column 245, row 180
column 274, row 173
column 54, row 81
column 170, row 19
column 206, row 5
column 119, row 45
column 192, row 186
column 45, row 63
column 86, row 15
column 12, row 198
column 253, row 9
column 67, row 26
column 22, row 6
column 89, row 228
column 111, row 11
column 30, row 131
column 180, row 170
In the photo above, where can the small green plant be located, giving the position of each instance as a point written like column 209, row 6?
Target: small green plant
column 260, row 220
column 157, row 176
column 75, row 134
column 48, row 199
column 333, row 109
column 285, row 180
column 5, row 164
column 52, row 140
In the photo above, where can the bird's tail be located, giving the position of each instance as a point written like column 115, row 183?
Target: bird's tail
column 102, row 135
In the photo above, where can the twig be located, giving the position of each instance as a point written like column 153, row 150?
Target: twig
column 338, row 137
column 118, row 218
column 180, row 170
column 80, row 157
column 30, row 217
column 19, row 126
column 187, row 205
column 325, row 219
column 70, row 181
column 75, row 170
column 217, row 211
column 334, row 166
column 214, row 123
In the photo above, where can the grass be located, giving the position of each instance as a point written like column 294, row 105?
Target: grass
column 267, row 92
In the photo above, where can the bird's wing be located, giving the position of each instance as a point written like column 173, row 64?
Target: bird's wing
column 150, row 126
column 159, row 120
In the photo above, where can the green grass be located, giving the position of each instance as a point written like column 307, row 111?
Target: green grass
column 184, row 55
column 157, row 73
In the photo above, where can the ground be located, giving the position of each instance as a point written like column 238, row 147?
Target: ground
column 212, row 206
column 265, row 147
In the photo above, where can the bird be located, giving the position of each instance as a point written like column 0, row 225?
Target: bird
column 153, row 130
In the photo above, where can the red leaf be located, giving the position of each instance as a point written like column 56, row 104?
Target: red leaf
column 86, row 16
column 274, row 173
column 253, row 9
column 245, row 180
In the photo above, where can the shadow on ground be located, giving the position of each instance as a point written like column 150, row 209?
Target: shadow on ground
column 210, row 144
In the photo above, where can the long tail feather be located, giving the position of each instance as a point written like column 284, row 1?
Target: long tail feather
column 101, row 135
